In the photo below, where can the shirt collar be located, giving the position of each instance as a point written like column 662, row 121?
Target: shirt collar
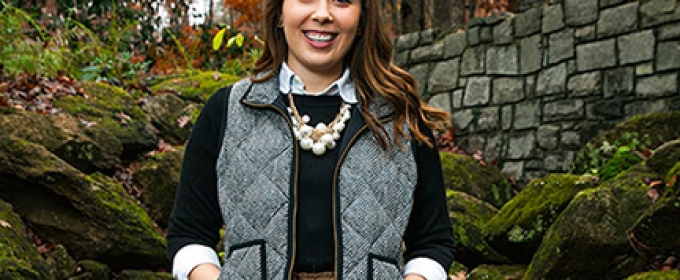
column 290, row 82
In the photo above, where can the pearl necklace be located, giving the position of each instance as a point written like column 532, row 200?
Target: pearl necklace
column 321, row 137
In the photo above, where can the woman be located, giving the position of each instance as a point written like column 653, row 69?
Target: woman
column 321, row 166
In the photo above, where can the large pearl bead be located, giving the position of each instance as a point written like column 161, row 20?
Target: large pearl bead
column 327, row 139
column 319, row 148
column 306, row 143
column 305, row 130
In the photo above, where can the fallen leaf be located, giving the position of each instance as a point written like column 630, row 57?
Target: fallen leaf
column 653, row 194
column 183, row 120
column 5, row 224
column 672, row 181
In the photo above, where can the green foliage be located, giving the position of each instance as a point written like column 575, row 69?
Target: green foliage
column 595, row 158
column 247, row 56
column 624, row 157
column 26, row 47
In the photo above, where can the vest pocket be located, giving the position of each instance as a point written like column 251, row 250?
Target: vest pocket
column 246, row 260
column 380, row 267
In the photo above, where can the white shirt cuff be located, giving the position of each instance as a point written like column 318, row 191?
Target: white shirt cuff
column 191, row 256
column 426, row 267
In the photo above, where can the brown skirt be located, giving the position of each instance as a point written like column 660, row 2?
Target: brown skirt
column 313, row 276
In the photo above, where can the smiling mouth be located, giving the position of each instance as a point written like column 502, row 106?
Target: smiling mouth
column 320, row 37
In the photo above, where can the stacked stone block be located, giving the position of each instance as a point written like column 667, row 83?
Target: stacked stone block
column 529, row 89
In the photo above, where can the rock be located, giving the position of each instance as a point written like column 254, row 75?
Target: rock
column 469, row 216
column 19, row 259
column 588, row 240
column 158, row 178
column 143, row 275
column 197, row 86
column 61, row 263
column 91, row 270
column 649, row 130
column 110, row 111
column 518, row 228
column 656, row 275
column 62, row 134
column 167, row 113
column 665, row 156
column 91, row 215
column 466, row 174
column 656, row 231
column 500, row 272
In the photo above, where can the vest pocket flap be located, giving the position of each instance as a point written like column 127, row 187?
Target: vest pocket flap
column 245, row 260
column 380, row 267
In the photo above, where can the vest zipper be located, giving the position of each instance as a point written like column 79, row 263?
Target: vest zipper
column 295, row 186
column 334, row 191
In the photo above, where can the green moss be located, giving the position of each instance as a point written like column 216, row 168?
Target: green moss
column 11, row 268
column 102, row 100
column 133, row 219
column 532, row 210
column 656, row 275
column 497, row 272
column 18, row 258
column 464, row 173
column 198, row 86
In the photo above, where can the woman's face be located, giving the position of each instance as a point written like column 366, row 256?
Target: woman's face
column 319, row 33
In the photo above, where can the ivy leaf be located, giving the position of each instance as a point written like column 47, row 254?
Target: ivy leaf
column 218, row 39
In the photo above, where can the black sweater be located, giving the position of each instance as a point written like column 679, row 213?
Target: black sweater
column 196, row 217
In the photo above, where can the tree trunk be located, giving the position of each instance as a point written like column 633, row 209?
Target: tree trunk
column 449, row 13
column 412, row 16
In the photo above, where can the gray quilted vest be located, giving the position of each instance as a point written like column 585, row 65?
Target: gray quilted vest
column 373, row 193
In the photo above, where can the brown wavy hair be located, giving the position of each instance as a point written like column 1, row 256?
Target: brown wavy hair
column 371, row 68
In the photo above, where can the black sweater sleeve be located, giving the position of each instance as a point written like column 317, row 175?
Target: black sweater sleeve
column 429, row 232
column 195, row 218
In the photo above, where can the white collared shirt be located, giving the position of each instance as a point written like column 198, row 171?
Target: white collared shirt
column 289, row 82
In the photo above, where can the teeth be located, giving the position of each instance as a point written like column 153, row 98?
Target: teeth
column 320, row 37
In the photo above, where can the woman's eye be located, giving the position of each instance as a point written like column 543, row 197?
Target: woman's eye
column 343, row 1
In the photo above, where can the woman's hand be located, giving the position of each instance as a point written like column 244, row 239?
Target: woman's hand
column 206, row 271
column 414, row 277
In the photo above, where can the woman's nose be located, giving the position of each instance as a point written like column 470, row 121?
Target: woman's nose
column 322, row 14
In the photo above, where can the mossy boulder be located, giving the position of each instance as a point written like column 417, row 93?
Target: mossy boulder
column 158, row 177
column 588, row 240
column 91, row 215
column 657, row 230
column 648, row 130
column 130, row 274
column 173, row 116
column 469, row 216
column 64, row 135
column 665, row 156
column 109, row 110
column 19, row 258
column 518, row 228
column 497, row 272
column 62, row 265
column 196, row 86
column 466, row 174
column 656, row 275
column 91, row 270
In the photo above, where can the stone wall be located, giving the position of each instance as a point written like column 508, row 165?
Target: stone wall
column 529, row 89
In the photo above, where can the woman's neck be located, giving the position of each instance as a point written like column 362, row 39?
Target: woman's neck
column 316, row 81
